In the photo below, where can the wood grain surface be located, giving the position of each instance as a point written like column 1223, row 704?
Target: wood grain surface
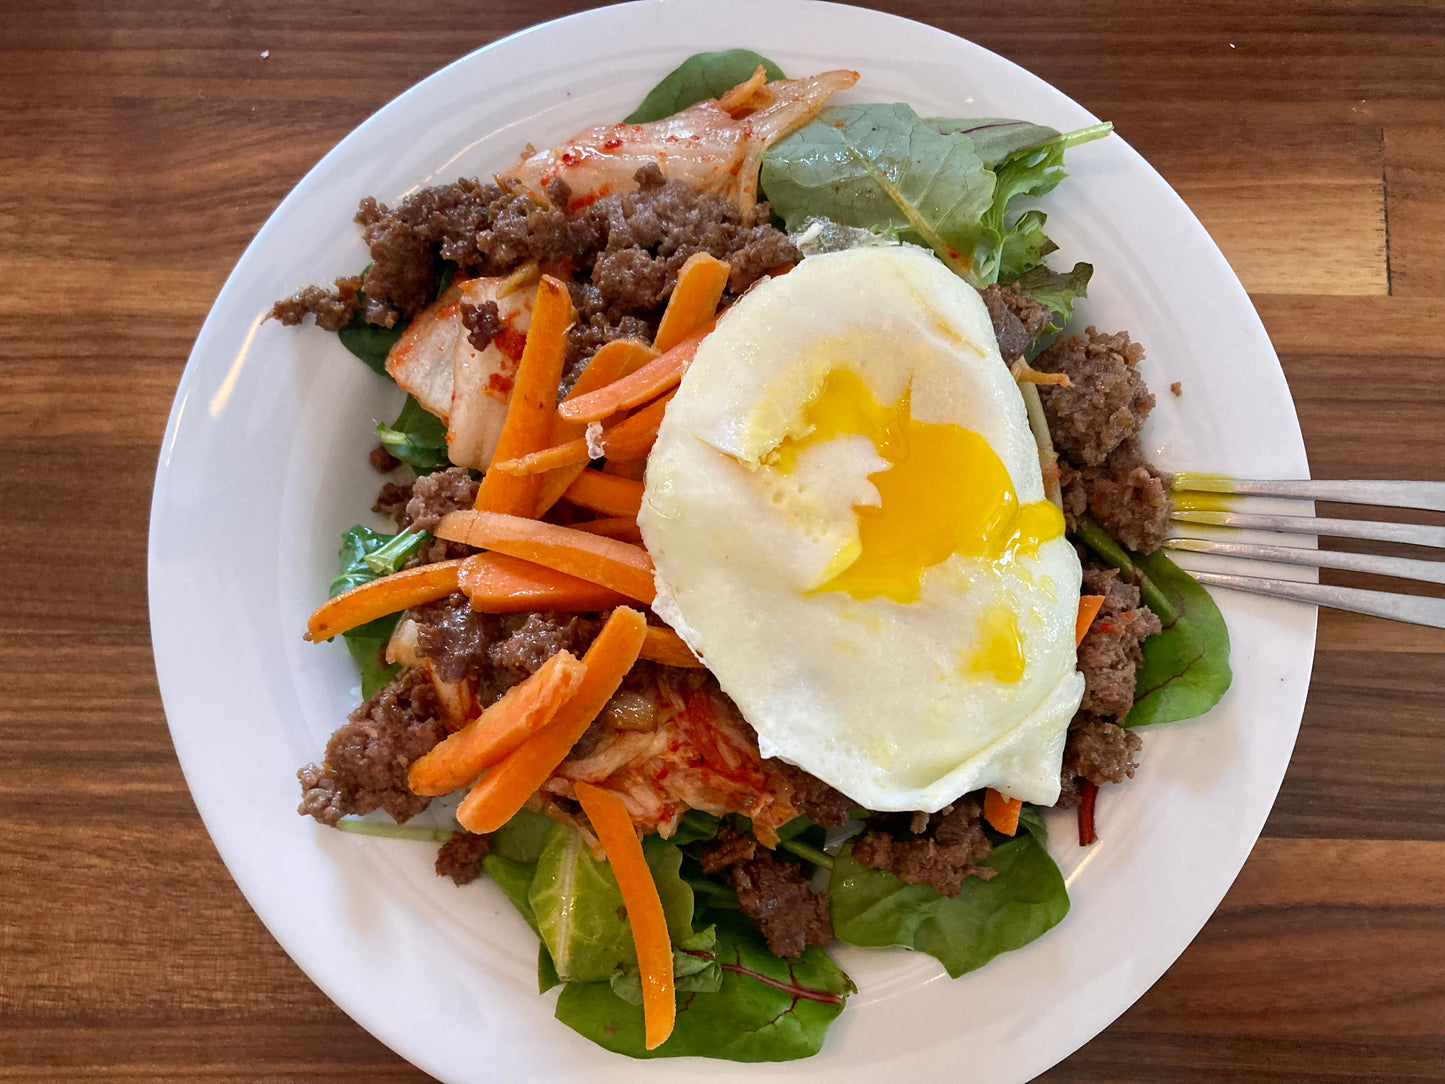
column 143, row 143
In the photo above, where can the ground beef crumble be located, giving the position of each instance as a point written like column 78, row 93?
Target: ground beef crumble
column 1127, row 495
column 495, row 650
column 624, row 251
column 368, row 757
column 774, row 894
column 1097, row 751
column 1018, row 320
column 949, row 847
column 814, row 798
column 460, row 857
column 1107, row 401
column 1111, row 649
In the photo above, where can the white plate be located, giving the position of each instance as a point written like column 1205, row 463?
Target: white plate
column 264, row 464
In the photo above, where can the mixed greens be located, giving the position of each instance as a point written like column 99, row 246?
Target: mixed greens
column 952, row 186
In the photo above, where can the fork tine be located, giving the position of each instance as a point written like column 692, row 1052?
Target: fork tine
column 1430, row 495
column 1403, row 567
column 1414, row 534
column 1413, row 608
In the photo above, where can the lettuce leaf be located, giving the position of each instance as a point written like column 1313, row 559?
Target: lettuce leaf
column 579, row 910
column 882, row 167
column 1057, row 289
column 765, row 1009
column 699, row 77
column 1023, row 901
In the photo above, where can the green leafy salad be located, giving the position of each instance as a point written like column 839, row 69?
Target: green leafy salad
column 962, row 885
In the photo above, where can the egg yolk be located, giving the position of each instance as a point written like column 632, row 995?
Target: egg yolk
column 943, row 492
column 999, row 651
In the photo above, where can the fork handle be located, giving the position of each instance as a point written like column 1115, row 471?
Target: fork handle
column 1387, row 494
column 1416, row 609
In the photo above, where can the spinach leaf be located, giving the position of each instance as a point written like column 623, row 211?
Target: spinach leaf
column 1185, row 669
column 882, row 167
column 695, row 825
column 365, row 555
column 522, row 837
column 417, row 437
column 579, row 909
column 514, row 878
column 699, row 77
column 766, row 1009
column 1024, row 900
column 695, row 969
column 1057, row 289
column 371, row 342
column 994, row 138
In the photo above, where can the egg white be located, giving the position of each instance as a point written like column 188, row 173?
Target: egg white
column 874, row 696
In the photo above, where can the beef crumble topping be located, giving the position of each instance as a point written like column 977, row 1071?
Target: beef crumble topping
column 367, row 758
column 774, row 894
column 939, row 851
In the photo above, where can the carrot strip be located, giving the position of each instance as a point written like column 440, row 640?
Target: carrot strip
column 1089, row 606
column 631, row 438
column 648, row 382
column 1002, row 813
column 612, row 361
column 700, row 285
column 507, row 786
column 636, row 469
column 387, row 595
column 623, row 528
column 528, row 425
column 606, row 493
column 520, row 713
column 616, row 565
column 667, row 647
column 613, row 825
column 499, row 584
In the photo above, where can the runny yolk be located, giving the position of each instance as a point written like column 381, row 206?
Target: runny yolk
column 999, row 650
column 945, row 491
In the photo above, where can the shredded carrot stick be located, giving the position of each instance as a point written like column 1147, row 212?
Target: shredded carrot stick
column 616, row 565
column 1089, row 606
column 700, row 285
column 528, row 425
column 1024, row 373
column 636, row 469
column 499, row 584
column 387, row 595
column 520, row 713
column 606, row 493
column 648, row 382
column 667, row 647
column 612, row 361
column 507, row 786
column 613, row 825
column 631, row 438
column 1000, row 812
column 623, row 528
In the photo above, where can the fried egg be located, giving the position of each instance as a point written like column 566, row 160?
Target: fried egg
column 847, row 517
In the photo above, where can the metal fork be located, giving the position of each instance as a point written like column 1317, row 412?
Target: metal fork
column 1399, row 607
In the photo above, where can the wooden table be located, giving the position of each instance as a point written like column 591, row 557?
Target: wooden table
column 141, row 146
